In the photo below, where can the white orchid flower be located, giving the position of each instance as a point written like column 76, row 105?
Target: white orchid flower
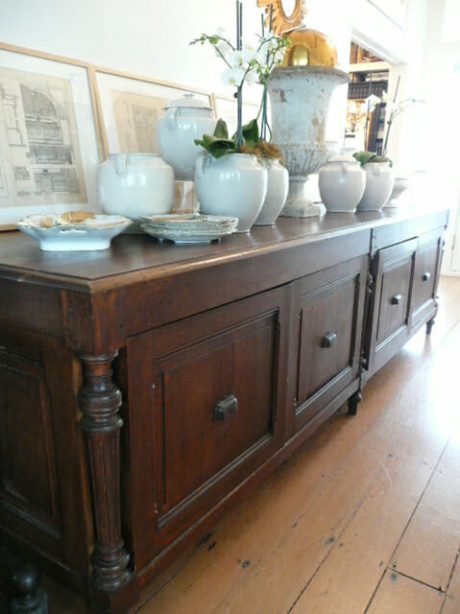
column 371, row 102
column 223, row 49
column 233, row 76
column 252, row 77
column 236, row 59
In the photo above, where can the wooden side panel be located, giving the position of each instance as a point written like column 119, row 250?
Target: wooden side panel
column 27, row 455
column 44, row 496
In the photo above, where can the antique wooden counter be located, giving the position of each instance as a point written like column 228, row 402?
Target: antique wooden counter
column 144, row 389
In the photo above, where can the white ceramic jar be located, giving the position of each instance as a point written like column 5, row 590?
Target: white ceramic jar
column 341, row 184
column 277, row 191
column 379, row 185
column 185, row 120
column 135, row 185
column 234, row 185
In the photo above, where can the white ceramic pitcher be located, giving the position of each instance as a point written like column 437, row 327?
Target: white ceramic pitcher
column 135, row 185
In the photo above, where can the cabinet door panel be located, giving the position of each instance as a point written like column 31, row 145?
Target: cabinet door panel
column 198, row 428
column 326, row 346
column 331, row 306
column 427, row 263
column 206, row 396
column 390, row 308
column 394, row 300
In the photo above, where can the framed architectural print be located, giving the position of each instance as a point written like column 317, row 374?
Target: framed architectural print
column 130, row 107
column 48, row 137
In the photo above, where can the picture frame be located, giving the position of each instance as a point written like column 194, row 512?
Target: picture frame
column 225, row 108
column 49, row 141
column 129, row 106
column 394, row 10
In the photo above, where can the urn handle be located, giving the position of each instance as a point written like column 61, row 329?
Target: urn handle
column 171, row 118
column 121, row 164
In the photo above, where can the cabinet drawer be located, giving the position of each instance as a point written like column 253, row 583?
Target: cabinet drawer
column 427, row 262
column 331, row 305
column 213, row 384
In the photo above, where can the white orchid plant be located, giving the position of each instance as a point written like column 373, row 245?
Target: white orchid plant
column 393, row 109
column 244, row 64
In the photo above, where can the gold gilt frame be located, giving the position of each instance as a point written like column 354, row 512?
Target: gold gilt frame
column 281, row 21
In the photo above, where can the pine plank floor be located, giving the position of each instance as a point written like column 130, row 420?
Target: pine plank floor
column 365, row 519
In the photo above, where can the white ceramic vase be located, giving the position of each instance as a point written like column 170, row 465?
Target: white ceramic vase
column 185, row 120
column 135, row 185
column 300, row 99
column 341, row 184
column 234, row 185
column 277, row 191
column 379, row 185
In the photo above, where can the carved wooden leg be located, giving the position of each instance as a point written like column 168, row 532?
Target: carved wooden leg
column 353, row 403
column 27, row 597
column 100, row 401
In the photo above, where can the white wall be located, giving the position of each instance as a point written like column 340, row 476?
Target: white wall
column 442, row 128
column 152, row 37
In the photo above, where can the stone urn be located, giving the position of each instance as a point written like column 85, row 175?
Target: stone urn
column 300, row 97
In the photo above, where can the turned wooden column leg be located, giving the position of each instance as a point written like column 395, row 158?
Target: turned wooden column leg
column 100, row 401
column 353, row 403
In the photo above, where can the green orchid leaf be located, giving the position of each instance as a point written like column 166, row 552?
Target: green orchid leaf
column 221, row 131
column 365, row 157
column 251, row 133
column 216, row 146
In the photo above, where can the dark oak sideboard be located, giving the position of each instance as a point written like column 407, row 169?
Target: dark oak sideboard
column 145, row 388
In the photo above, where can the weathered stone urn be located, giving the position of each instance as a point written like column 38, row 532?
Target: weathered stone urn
column 300, row 97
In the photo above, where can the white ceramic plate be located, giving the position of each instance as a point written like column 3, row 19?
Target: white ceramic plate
column 56, row 236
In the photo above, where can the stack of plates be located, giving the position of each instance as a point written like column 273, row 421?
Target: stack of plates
column 189, row 228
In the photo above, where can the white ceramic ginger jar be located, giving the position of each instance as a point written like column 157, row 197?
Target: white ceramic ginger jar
column 185, row 120
column 234, row 185
column 277, row 191
column 379, row 186
column 341, row 184
column 135, row 185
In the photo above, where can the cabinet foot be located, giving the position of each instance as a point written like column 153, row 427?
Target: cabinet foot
column 27, row 596
column 429, row 326
column 353, row 403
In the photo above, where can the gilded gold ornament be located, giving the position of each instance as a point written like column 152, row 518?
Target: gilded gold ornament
column 285, row 16
column 309, row 48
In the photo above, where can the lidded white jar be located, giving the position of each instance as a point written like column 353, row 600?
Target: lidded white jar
column 185, row 120
column 341, row 184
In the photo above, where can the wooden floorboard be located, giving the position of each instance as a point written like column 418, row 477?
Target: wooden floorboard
column 321, row 535
column 400, row 595
column 429, row 546
column 452, row 599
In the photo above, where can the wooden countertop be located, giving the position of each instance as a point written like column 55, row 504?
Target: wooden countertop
column 142, row 256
